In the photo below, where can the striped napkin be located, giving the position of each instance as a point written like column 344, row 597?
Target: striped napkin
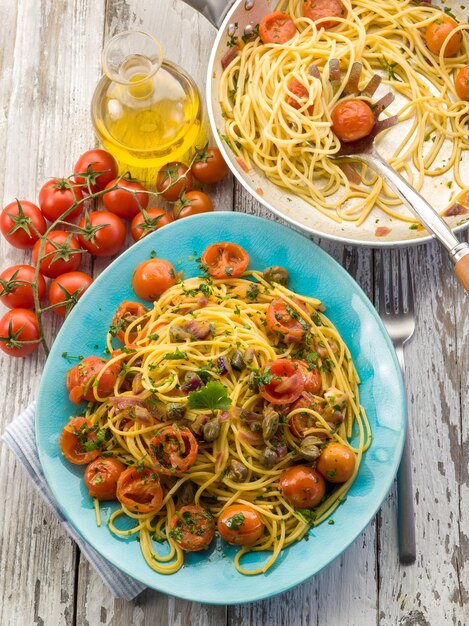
column 21, row 439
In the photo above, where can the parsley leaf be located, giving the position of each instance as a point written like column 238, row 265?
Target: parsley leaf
column 214, row 396
column 173, row 356
column 235, row 521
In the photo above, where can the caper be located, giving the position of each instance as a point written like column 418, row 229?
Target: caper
column 268, row 458
column 178, row 333
column 186, row 493
column 269, row 423
column 237, row 361
column 237, row 472
column 309, row 449
column 175, row 411
column 253, row 384
column 276, row 274
column 211, row 430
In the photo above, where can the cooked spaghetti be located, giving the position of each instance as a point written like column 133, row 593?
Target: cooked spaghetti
column 287, row 133
column 205, row 365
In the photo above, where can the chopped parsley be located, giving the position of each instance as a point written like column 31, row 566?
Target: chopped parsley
column 174, row 356
column 236, row 521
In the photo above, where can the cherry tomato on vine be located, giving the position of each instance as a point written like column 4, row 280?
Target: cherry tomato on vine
column 438, row 31
column 140, row 490
column 123, row 202
column 192, row 528
column 168, row 183
column 192, row 203
column 277, row 27
column 225, row 259
column 82, row 379
column 16, row 327
column 240, row 525
column 59, row 255
column 302, row 486
column 101, row 477
column 57, row 196
column 352, row 120
column 92, row 162
column 104, row 233
column 68, row 288
column 79, row 441
column 19, row 222
column 461, row 83
column 152, row 278
column 209, row 166
column 285, row 382
column 336, row 463
column 13, row 293
column 148, row 221
column 319, row 9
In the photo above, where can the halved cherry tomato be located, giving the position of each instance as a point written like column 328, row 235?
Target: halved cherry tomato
column 286, row 384
column 352, row 120
column 318, row 9
column 82, row 379
column 68, row 288
column 300, row 95
column 16, row 327
column 19, row 222
column 127, row 313
column 108, row 239
column 152, row 278
column 192, row 528
column 146, row 222
column 301, row 422
column 225, row 259
column 173, row 178
column 101, row 477
column 240, row 525
column 127, row 200
column 277, row 27
column 336, row 463
column 59, row 255
column 209, row 166
column 311, row 377
column 461, row 83
column 14, row 293
column 57, row 196
column 302, row 486
column 192, row 203
column 79, row 441
column 437, row 32
column 285, row 321
column 92, row 162
column 140, row 490
column 173, row 450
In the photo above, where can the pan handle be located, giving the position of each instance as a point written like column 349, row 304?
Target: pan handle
column 213, row 10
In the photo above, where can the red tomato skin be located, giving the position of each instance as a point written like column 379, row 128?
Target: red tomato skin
column 152, row 278
column 20, row 238
column 462, row 83
column 108, row 240
column 318, row 9
column 99, row 161
column 109, row 470
column 72, row 282
column 302, row 486
column 352, row 120
column 212, row 169
column 166, row 180
column 437, row 32
column 160, row 216
column 123, row 203
column 290, row 375
column 51, row 268
column 225, row 259
column 18, row 318
column 277, row 28
column 55, row 198
column 22, row 296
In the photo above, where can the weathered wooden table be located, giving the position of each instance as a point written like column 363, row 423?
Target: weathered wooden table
column 49, row 65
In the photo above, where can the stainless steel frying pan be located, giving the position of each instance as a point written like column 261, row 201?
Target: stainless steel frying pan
column 238, row 17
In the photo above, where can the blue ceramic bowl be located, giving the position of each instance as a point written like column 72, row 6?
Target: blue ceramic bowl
column 211, row 577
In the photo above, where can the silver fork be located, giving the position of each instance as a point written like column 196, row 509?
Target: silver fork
column 400, row 324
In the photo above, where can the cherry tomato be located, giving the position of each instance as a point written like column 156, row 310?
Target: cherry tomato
column 146, row 222
column 68, row 287
column 79, row 441
column 16, row 327
column 302, row 486
column 300, row 95
column 19, row 222
column 140, row 491
column 461, row 83
column 284, row 321
column 123, row 202
column 209, row 166
column 318, row 9
column 438, row 31
column 92, row 162
column 173, row 450
column 311, row 377
column 192, row 203
column 152, row 278
column 352, row 120
column 225, row 259
column 13, row 293
column 286, row 384
column 101, row 477
column 57, row 196
column 336, row 463
column 302, row 422
column 127, row 313
column 192, row 528
column 240, row 525
column 173, row 178
column 277, row 27
column 108, row 239
column 82, row 379
column 59, row 254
